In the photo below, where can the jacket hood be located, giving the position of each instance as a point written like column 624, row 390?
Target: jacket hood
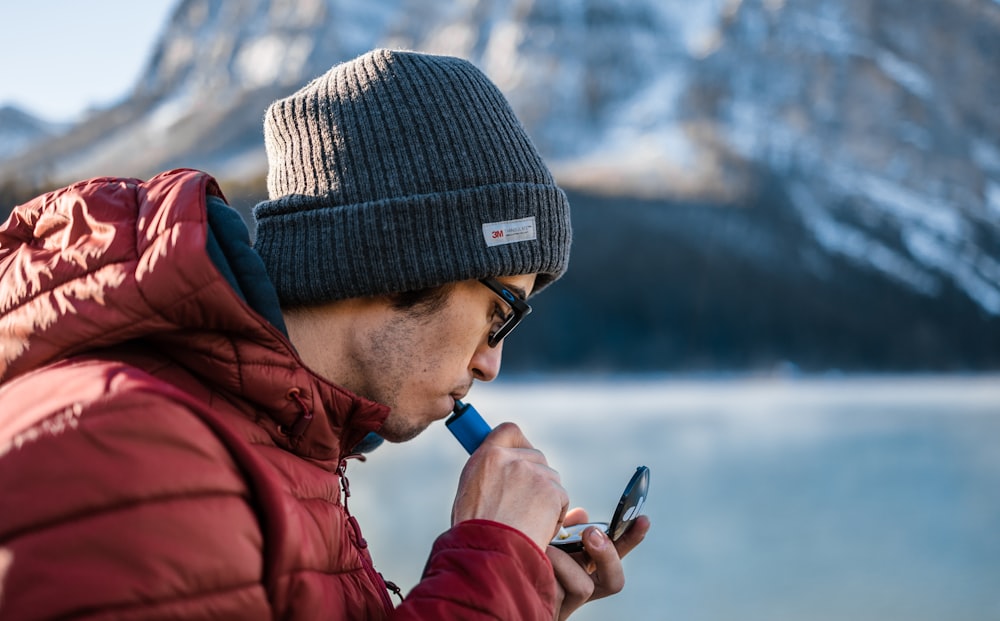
column 113, row 261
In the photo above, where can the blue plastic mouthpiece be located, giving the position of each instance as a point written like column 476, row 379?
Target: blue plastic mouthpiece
column 467, row 426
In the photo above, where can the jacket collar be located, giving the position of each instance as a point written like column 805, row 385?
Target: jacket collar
column 107, row 262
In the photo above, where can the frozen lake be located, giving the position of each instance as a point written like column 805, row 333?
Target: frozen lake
column 820, row 499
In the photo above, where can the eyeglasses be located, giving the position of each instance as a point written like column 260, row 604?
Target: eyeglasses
column 518, row 308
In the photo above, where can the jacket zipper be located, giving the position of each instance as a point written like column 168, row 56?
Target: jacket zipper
column 380, row 584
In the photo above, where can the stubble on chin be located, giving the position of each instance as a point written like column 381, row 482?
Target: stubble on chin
column 397, row 429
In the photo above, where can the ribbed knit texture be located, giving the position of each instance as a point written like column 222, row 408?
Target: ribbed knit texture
column 382, row 173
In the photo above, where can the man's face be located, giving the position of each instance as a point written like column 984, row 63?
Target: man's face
column 419, row 363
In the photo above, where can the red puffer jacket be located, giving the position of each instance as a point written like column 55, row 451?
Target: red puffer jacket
column 165, row 454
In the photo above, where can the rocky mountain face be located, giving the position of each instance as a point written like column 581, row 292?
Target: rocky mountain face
column 756, row 182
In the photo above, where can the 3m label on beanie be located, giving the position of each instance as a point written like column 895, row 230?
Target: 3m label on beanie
column 509, row 231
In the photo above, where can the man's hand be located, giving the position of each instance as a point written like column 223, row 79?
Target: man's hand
column 597, row 571
column 509, row 481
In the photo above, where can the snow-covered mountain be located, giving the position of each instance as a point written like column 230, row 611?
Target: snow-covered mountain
column 876, row 122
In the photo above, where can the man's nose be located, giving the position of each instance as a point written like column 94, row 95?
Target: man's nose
column 485, row 364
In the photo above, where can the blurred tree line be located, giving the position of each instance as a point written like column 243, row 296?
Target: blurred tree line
column 673, row 286
column 15, row 191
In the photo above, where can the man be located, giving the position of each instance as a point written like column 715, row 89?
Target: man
column 177, row 408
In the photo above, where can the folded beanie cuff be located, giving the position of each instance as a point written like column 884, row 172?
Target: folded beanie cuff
column 319, row 250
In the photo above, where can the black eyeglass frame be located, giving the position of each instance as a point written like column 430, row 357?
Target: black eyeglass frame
column 519, row 310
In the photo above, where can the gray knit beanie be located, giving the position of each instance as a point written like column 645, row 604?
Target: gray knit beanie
column 398, row 171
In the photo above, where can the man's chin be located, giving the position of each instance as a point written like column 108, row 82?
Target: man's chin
column 399, row 433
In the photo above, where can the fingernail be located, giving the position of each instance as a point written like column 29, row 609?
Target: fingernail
column 597, row 538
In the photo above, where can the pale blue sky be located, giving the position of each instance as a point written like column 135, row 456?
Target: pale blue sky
column 59, row 57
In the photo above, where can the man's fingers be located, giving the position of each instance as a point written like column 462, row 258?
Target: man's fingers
column 633, row 537
column 508, row 435
column 577, row 587
column 597, row 571
column 609, row 575
column 577, row 515
column 506, row 480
